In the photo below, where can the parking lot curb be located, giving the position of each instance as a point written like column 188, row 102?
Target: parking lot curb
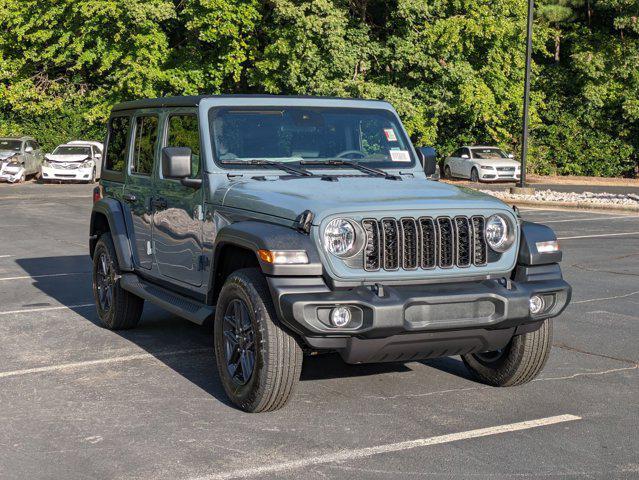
column 572, row 205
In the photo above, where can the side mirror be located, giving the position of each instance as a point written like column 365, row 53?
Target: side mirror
column 176, row 164
column 510, row 155
column 98, row 156
column 465, row 156
column 28, row 149
column 428, row 157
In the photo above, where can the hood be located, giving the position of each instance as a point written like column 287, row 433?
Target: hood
column 498, row 162
column 287, row 197
column 65, row 158
column 4, row 154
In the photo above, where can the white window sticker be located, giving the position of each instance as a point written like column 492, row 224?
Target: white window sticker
column 390, row 135
column 399, row 156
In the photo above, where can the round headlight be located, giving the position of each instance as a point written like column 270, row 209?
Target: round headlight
column 499, row 233
column 339, row 237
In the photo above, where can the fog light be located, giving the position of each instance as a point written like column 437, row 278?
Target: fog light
column 537, row 304
column 340, row 316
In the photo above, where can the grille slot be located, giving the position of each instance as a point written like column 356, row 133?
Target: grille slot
column 425, row 242
column 391, row 240
column 372, row 250
column 445, row 257
column 464, row 242
column 410, row 243
column 429, row 243
column 479, row 241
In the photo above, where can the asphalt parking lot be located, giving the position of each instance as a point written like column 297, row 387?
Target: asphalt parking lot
column 81, row 402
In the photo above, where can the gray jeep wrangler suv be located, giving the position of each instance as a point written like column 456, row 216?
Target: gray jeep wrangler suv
column 300, row 225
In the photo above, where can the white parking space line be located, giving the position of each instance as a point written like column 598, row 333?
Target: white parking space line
column 49, row 275
column 5, row 256
column 46, row 309
column 592, row 219
column 355, row 454
column 615, row 297
column 567, row 210
column 599, row 235
column 101, row 361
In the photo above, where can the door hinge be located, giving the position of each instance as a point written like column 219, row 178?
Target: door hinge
column 203, row 263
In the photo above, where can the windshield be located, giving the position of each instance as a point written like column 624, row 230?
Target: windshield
column 489, row 153
column 72, row 151
column 12, row 145
column 294, row 134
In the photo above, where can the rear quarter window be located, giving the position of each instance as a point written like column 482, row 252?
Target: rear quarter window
column 115, row 159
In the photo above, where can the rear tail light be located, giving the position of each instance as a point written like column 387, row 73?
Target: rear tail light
column 97, row 193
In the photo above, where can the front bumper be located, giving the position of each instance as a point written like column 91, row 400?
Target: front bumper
column 415, row 321
column 64, row 174
column 11, row 175
column 497, row 176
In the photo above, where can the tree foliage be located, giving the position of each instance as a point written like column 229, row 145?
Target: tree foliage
column 452, row 68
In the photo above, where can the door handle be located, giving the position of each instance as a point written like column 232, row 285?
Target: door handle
column 129, row 197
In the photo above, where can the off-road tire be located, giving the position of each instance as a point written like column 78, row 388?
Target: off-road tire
column 447, row 172
column 278, row 356
column 520, row 362
column 125, row 308
column 474, row 175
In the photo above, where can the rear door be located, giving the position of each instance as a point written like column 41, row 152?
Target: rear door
column 139, row 187
column 178, row 217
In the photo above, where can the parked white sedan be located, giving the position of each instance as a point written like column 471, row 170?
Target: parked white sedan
column 75, row 161
column 482, row 164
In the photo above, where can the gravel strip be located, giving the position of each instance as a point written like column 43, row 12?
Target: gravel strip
column 595, row 199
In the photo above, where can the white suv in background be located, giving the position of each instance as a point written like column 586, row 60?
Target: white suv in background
column 482, row 164
column 78, row 160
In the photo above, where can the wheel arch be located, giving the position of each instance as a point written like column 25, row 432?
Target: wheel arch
column 236, row 246
column 107, row 216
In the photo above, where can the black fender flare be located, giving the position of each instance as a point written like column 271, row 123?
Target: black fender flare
column 255, row 235
column 112, row 210
column 531, row 233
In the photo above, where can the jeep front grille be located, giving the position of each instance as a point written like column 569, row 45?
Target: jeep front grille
column 425, row 242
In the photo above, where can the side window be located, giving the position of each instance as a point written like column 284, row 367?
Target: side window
column 144, row 144
column 183, row 131
column 116, row 148
column 35, row 145
column 466, row 151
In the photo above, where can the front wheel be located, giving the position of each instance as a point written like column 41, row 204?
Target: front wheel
column 447, row 172
column 517, row 363
column 259, row 363
column 474, row 175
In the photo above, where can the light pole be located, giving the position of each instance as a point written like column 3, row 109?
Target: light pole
column 524, row 142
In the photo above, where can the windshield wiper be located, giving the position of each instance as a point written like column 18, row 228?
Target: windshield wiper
column 338, row 162
column 269, row 163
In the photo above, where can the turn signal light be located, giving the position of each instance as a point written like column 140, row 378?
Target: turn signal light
column 547, row 247
column 284, row 257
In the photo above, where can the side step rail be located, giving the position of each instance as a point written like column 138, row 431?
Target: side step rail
column 173, row 302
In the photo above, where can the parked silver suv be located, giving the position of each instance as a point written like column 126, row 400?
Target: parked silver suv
column 303, row 224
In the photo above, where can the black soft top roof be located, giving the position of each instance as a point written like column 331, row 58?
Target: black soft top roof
column 194, row 100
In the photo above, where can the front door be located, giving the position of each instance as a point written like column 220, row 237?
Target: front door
column 178, row 217
column 139, row 187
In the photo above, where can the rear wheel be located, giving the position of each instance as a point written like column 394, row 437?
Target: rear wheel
column 518, row 362
column 117, row 308
column 474, row 175
column 259, row 363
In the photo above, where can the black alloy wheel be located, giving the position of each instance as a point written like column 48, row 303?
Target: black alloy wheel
column 105, row 281
column 239, row 342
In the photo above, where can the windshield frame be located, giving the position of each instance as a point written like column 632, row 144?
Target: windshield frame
column 503, row 153
column 212, row 111
column 11, row 140
column 86, row 147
